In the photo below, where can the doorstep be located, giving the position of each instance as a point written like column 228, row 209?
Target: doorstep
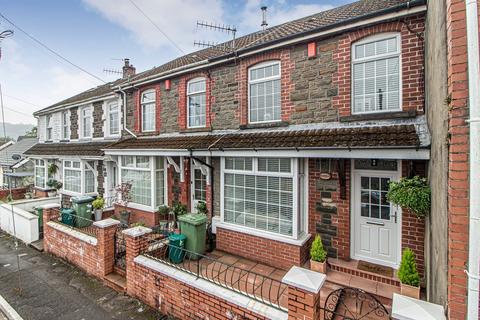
column 116, row 282
column 37, row 245
column 351, row 267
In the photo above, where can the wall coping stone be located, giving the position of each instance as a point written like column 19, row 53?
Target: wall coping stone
column 72, row 232
column 305, row 279
column 137, row 231
column 106, row 223
column 213, row 289
column 406, row 308
column 50, row 206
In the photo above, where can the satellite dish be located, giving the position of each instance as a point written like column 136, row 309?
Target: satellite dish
column 16, row 156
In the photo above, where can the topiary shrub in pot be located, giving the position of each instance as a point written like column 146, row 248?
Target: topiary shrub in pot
column 318, row 256
column 408, row 275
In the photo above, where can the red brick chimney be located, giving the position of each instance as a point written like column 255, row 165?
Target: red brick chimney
column 128, row 69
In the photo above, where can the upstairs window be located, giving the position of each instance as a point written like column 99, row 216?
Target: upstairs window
column 264, row 92
column 86, row 122
column 196, row 97
column 49, row 127
column 148, row 111
column 65, row 126
column 113, row 119
column 376, row 74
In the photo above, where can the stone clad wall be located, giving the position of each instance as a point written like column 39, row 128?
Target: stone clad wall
column 74, row 123
column 97, row 115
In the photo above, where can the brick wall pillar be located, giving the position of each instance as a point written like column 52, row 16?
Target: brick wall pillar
column 136, row 243
column 106, row 244
column 303, row 293
column 51, row 212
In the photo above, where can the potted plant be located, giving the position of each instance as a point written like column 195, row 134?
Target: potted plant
column 123, row 198
column 408, row 275
column 54, row 185
column 202, row 208
column 318, row 256
column 98, row 205
column 163, row 211
column 52, row 170
column 412, row 194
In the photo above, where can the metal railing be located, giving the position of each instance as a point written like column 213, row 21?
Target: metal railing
column 110, row 201
column 76, row 222
column 259, row 287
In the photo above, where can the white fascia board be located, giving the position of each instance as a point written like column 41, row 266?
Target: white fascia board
column 202, row 64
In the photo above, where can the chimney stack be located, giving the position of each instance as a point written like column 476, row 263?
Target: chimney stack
column 264, row 17
column 128, row 69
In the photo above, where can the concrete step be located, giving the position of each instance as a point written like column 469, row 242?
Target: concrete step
column 37, row 245
column 116, row 282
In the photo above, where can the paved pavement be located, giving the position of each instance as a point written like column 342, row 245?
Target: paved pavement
column 48, row 288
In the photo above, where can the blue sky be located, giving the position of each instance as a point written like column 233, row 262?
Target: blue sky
column 95, row 33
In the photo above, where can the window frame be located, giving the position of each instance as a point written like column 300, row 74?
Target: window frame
column 82, row 122
column 48, row 127
column 153, row 170
column 45, row 173
column 143, row 104
column 398, row 53
column 299, row 204
column 65, row 125
column 195, row 93
column 249, row 82
column 108, row 131
column 82, row 169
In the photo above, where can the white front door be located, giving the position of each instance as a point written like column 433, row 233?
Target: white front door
column 199, row 186
column 376, row 222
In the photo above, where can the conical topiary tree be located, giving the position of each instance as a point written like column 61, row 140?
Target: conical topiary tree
column 407, row 273
column 317, row 252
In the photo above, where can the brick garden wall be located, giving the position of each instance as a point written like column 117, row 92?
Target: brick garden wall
column 17, row 193
column 274, row 253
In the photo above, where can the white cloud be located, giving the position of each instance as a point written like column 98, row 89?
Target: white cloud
column 65, row 83
column 278, row 12
column 176, row 18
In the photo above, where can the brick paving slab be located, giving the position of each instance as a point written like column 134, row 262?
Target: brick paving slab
column 52, row 289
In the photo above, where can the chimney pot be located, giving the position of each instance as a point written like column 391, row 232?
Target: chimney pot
column 128, row 69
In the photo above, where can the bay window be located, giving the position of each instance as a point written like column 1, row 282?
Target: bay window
column 40, row 173
column 264, row 92
column 79, row 176
column 148, row 110
column 196, row 99
column 376, row 76
column 261, row 193
column 147, row 176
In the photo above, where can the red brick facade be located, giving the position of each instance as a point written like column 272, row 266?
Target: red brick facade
column 149, row 218
column 17, row 193
column 412, row 63
column 458, row 178
column 274, row 253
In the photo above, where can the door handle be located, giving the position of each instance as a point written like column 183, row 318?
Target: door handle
column 376, row 223
column 395, row 215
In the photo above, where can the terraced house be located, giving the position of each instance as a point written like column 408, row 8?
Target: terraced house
column 285, row 133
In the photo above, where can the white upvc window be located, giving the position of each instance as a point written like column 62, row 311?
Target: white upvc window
column 262, row 194
column 376, row 74
column 147, row 103
column 49, row 127
column 65, row 125
column 264, row 92
column 40, row 173
column 79, row 177
column 146, row 174
column 86, row 120
column 196, row 100
column 113, row 118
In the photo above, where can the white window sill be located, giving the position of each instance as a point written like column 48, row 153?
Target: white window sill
column 76, row 194
column 258, row 233
column 138, row 206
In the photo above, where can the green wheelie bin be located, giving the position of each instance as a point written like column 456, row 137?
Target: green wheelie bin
column 68, row 216
column 83, row 209
column 193, row 226
column 176, row 252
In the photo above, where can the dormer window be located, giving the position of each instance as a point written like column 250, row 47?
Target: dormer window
column 86, row 122
column 148, row 111
column 196, row 99
column 376, row 76
column 264, row 92
column 49, row 127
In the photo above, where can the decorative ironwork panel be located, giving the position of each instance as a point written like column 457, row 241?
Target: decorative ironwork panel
column 120, row 245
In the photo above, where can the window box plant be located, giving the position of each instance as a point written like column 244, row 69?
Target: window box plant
column 98, row 205
column 54, row 185
column 318, row 256
column 408, row 275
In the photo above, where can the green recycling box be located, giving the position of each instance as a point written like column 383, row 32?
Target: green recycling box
column 177, row 243
column 68, row 216
column 83, row 209
column 193, row 226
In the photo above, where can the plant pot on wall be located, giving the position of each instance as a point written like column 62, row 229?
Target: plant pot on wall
column 98, row 214
column 410, row 291
column 124, row 217
column 318, row 266
column 52, row 193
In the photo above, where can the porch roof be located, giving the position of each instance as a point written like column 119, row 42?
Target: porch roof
column 69, row 149
column 388, row 136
